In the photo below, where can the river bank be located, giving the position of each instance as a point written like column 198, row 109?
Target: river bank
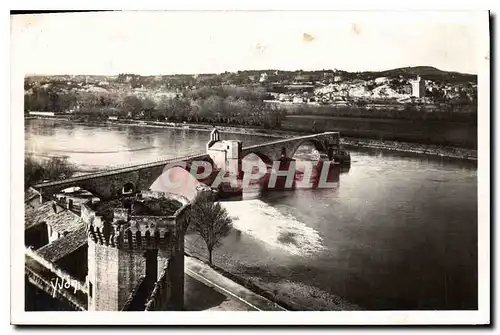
column 409, row 147
column 269, row 283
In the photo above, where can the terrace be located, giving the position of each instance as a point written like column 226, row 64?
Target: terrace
column 137, row 207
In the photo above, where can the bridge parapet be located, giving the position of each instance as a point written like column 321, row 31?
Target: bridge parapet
column 113, row 170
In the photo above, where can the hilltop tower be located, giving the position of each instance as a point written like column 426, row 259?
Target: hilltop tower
column 418, row 87
column 130, row 253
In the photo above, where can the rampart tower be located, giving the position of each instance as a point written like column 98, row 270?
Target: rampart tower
column 132, row 242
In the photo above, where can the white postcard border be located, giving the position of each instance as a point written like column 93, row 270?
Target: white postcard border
column 482, row 316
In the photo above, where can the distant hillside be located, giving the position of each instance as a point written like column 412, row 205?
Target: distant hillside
column 249, row 77
column 427, row 72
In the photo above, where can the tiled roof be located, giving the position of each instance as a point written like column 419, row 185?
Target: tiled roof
column 62, row 220
column 31, row 204
column 64, row 246
column 30, row 194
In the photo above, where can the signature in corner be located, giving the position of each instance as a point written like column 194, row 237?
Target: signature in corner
column 64, row 284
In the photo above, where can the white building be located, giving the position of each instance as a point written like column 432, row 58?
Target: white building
column 284, row 97
column 75, row 196
column 298, row 100
column 381, row 80
column 42, row 113
column 224, row 153
column 418, row 87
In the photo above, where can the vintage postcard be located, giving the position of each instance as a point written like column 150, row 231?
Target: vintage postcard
column 280, row 162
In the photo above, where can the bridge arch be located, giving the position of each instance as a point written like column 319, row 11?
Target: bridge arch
column 255, row 161
column 315, row 143
column 200, row 169
column 128, row 188
column 263, row 157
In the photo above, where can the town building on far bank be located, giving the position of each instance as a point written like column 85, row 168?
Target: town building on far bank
column 418, row 87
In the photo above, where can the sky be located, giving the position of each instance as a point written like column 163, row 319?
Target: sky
column 159, row 42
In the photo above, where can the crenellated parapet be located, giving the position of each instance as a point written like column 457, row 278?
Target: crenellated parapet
column 128, row 230
column 141, row 232
column 149, row 232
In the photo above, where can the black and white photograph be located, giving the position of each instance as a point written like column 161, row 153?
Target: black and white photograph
column 274, row 162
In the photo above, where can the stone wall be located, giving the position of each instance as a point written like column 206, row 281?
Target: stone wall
column 56, row 270
column 113, row 275
column 133, row 295
column 160, row 296
column 90, row 217
column 61, row 294
column 176, row 262
column 117, row 264
column 132, row 266
column 102, row 277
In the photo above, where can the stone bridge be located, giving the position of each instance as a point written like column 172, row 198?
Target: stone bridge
column 113, row 182
column 325, row 143
column 116, row 181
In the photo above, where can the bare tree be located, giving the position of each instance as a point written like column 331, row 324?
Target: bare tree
column 210, row 221
column 52, row 169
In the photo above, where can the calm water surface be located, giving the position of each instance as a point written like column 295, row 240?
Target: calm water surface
column 399, row 231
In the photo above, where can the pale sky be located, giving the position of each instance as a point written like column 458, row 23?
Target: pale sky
column 157, row 42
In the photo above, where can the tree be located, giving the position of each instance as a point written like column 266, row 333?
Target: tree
column 52, row 169
column 132, row 105
column 210, row 221
column 149, row 107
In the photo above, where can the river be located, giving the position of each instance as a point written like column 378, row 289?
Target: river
column 399, row 231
